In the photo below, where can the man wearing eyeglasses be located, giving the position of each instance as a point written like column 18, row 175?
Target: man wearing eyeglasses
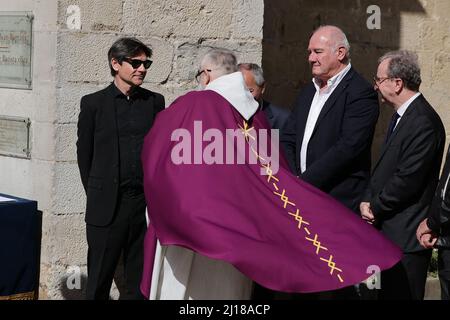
column 405, row 177
column 254, row 80
column 178, row 272
column 111, row 128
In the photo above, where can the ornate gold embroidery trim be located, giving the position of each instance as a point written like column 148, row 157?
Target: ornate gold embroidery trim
column 304, row 225
column 20, row 296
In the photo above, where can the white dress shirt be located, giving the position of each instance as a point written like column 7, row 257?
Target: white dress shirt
column 316, row 107
column 401, row 111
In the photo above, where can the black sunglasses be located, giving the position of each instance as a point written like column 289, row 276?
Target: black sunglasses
column 136, row 63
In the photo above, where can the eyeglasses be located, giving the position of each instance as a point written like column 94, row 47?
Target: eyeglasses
column 379, row 81
column 199, row 73
column 136, row 63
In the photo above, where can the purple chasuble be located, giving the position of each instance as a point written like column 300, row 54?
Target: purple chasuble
column 276, row 229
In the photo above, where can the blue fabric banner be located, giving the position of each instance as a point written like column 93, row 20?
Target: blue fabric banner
column 20, row 234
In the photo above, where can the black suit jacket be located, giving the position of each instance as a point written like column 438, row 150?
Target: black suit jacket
column 439, row 212
column 338, row 155
column 98, row 150
column 404, row 178
column 276, row 116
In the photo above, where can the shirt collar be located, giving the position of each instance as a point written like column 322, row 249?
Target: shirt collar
column 335, row 80
column 119, row 94
column 232, row 88
column 401, row 111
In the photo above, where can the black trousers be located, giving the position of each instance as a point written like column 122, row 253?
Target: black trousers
column 406, row 280
column 444, row 272
column 125, row 235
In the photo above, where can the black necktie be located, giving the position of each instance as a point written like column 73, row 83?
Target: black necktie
column 391, row 128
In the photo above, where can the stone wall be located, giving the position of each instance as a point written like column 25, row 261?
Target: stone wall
column 419, row 25
column 71, row 40
column 178, row 32
column 34, row 179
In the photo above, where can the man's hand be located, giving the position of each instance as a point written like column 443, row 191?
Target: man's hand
column 366, row 213
column 422, row 229
column 428, row 240
column 426, row 237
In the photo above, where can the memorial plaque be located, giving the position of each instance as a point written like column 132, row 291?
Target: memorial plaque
column 15, row 137
column 15, row 49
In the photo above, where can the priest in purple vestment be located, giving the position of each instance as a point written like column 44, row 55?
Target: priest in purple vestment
column 224, row 208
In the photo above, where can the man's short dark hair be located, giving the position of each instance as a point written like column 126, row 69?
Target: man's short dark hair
column 126, row 48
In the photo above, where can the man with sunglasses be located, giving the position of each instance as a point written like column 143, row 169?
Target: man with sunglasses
column 111, row 128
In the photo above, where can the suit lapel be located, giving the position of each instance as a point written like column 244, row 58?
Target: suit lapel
column 110, row 108
column 404, row 119
column 267, row 110
column 110, row 111
column 304, row 107
column 332, row 99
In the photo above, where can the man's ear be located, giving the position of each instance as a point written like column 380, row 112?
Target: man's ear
column 263, row 88
column 115, row 64
column 341, row 53
column 208, row 78
column 399, row 85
